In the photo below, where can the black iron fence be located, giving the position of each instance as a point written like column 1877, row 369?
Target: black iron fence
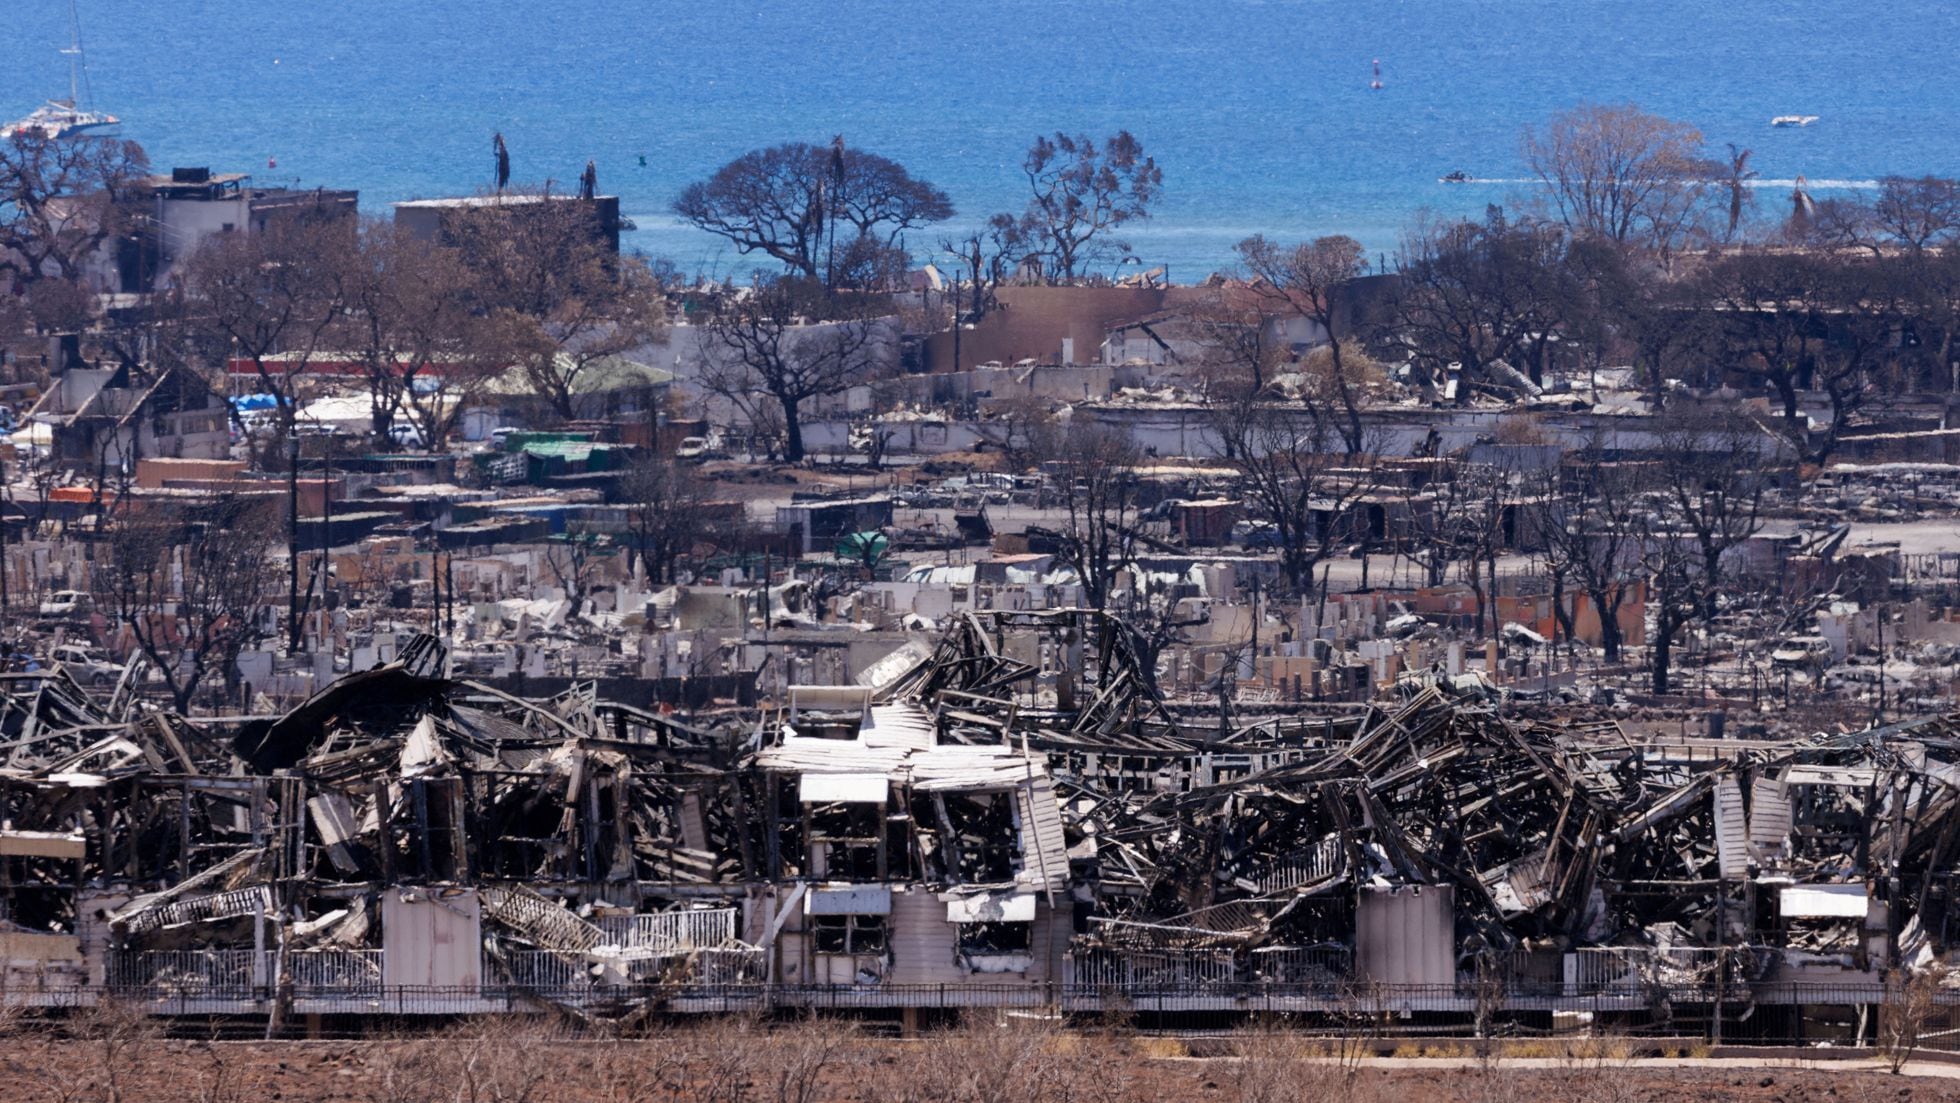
column 1339, row 999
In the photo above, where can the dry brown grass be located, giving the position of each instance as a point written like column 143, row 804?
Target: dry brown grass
column 114, row 1054
column 1276, row 1065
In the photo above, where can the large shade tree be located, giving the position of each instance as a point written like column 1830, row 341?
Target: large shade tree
column 568, row 302
column 825, row 212
column 62, row 200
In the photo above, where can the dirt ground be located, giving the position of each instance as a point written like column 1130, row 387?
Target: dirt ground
column 495, row 1065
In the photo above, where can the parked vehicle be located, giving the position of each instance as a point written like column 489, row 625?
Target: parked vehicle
column 67, row 603
column 86, row 665
column 1813, row 652
column 1256, row 534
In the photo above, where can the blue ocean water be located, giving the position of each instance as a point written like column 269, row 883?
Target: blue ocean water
column 1259, row 111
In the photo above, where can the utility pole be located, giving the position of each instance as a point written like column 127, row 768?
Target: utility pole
column 5, row 494
column 326, row 543
column 292, row 542
column 435, row 578
column 1879, row 717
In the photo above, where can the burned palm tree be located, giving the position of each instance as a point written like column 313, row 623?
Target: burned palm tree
column 503, row 161
column 832, row 195
column 1737, row 182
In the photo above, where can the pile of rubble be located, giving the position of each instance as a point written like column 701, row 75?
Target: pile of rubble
column 1019, row 808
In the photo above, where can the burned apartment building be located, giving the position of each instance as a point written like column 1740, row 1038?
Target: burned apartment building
column 1017, row 816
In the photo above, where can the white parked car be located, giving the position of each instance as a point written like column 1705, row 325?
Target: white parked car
column 86, row 665
column 67, row 603
column 1813, row 652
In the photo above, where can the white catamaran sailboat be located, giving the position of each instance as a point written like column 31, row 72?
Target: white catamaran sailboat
column 59, row 119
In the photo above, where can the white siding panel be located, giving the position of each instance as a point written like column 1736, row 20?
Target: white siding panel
column 922, row 941
column 842, row 788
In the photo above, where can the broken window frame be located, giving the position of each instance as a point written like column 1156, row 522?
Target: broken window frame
column 850, row 934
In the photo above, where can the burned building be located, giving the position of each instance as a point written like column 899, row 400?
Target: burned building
column 1017, row 816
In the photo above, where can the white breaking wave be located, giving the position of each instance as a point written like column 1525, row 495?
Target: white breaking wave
column 1826, row 184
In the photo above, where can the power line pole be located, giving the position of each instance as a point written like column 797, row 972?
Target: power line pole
column 292, row 543
column 5, row 494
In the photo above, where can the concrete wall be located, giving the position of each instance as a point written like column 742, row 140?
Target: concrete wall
column 1031, row 323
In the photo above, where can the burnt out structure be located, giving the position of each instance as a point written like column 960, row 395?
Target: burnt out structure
column 1016, row 818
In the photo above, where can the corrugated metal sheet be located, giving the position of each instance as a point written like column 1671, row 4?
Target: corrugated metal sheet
column 1406, row 935
column 848, row 900
column 1731, row 832
column 831, row 756
column 904, row 724
column 842, row 788
column 1770, row 820
column 432, row 937
column 1823, row 902
column 1854, row 777
column 1044, row 849
column 951, row 769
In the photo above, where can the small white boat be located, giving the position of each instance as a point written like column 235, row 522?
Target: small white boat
column 58, row 119
column 1793, row 120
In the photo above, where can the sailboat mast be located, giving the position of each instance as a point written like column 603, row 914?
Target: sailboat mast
column 74, row 51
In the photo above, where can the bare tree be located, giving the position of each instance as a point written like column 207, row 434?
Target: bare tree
column 1081, row 194
column 1301, row 281
column 1674, row 593
column 984, row 254
column 1797, row 321
column 1918, row 214
column 1913, row 1006
column 1713, row 472
column 543, row 264
column 789, row 201
column 1478, row 527
column 61, row 201
column 1020, row 428
column 409, row 318
column 572, row 561
column 1628, row 309
column 1592, row 526
column 1093, row 468
column 1619, row 173
column 1707, row 481
column 1474, row 293
column 1288, row 468
column 188, row 586
column 1241, row 339
column 56, row 305
column 664, row 500
column 1438, row 518
column 787, row 343
column 271, row 299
